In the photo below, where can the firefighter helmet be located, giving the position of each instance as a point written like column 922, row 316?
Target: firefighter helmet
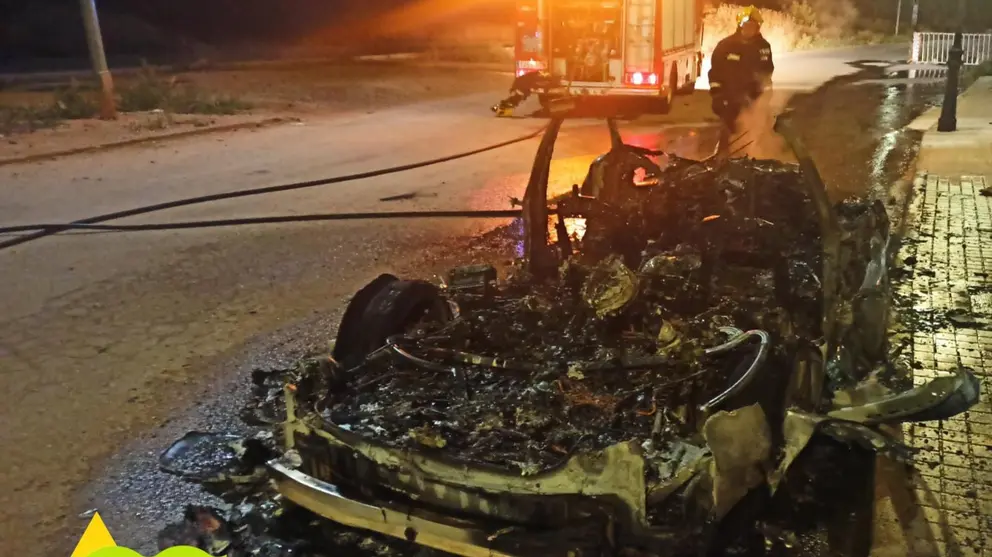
column 749, row 13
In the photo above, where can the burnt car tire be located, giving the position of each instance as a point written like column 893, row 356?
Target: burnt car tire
column 673, row 87
column 659, row 105
column 688, row 88
column 350, row 329
column 384, row 308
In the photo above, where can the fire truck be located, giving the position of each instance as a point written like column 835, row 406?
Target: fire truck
column 620, row 49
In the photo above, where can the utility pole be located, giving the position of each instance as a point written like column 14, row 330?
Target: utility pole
column 898, row 16
column 916, row 13
column 108, row 108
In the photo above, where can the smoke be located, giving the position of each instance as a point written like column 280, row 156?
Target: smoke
column 829, row 19
column 756, row 123
column 781, row 29
column 800, row 24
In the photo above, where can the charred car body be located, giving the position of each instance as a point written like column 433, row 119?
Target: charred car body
column 626, row 389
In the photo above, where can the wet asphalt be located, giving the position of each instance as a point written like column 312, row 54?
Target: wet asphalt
column 853, row 130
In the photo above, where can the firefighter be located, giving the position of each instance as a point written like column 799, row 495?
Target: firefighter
column 523, row 87
column 741, row 72
column 520, row 90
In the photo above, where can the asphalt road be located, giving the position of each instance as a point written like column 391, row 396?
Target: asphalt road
column 111, row 343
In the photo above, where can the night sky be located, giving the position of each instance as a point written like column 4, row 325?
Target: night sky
column 52, row 30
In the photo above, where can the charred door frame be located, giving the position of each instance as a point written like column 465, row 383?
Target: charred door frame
column 535, row 203
column 541, row 261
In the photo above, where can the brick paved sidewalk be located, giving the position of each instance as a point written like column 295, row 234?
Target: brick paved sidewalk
column 944, row 506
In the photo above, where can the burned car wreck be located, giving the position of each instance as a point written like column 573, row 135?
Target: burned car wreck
column 644, row 381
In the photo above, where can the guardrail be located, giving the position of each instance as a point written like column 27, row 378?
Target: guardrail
column 928, row 73
column 935, row 48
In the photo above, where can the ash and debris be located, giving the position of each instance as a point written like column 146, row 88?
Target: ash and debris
column 247, row 517
column 841, row 167
column 633, row 338
column 671, row 319
column 264, row 527
column 614, row 347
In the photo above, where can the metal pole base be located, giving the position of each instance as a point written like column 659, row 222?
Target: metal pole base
column 108, row 106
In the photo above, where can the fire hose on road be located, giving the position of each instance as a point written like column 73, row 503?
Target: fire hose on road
column 55, row 228
column 29, row 232
column 48, row 230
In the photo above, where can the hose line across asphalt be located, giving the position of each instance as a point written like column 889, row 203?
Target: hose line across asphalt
column 41, row 231
column 319, row 217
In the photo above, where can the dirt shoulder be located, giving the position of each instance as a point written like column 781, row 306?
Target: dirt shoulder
column 81, row 136
column 267, row 95
column 366, row 87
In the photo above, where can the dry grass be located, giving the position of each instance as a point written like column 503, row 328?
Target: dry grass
column 473, row 43
column 782, row 30
column 147, row 92
column 151, row 91
column 366, row 87
column 71, row 103
column 478, row 53
column 158, row 99
column 971, row 74
column 982, row 70
column 803, row 25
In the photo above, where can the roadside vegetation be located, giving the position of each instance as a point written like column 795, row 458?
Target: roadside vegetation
column 802, row 25
column 152, row 91
column 972, row 74
column 471, row 53
column 982, row 70
column 70, row 103
column 478, row 43
column 148, row 91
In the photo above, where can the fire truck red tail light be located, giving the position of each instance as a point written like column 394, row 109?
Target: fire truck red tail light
column 641, row 78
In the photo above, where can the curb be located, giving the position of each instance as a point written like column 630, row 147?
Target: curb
column 918, row 182
column 886, row 473
column 143, row 140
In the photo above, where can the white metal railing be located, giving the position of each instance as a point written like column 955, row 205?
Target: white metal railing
column 928, row 73
column 935, row 48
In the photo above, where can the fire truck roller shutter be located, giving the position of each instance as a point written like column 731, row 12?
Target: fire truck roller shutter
column 668, row 26
column 681, row 18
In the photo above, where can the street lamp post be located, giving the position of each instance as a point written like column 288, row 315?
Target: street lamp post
column 949, row 110
column 94, row 39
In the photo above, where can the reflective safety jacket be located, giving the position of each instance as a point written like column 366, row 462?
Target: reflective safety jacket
column 741, row 68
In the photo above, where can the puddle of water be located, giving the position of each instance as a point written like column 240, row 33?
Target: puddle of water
column 890, row 114
column 893, row 152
